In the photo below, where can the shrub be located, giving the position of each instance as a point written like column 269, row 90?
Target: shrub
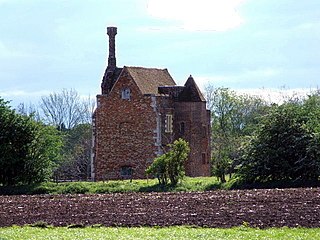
column 170, row 166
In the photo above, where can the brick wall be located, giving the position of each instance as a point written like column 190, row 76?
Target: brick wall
column 196, row 122
column 125, row 132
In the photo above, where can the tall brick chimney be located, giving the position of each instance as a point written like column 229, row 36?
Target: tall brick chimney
column 112, row 32
column 109, row 77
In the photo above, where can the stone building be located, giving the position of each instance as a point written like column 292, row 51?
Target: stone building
column 141, row 110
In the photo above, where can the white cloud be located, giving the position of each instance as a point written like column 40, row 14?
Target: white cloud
column 277, row 95
column 272, row 95
column 198, row 15
column 17, row 96
column 22, row 93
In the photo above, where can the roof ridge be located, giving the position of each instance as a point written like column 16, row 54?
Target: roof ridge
column 153, row 68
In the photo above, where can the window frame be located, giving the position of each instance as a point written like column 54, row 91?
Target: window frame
column 169, row 123
column 126, row 93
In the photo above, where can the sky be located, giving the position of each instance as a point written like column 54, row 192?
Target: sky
column 245, row 45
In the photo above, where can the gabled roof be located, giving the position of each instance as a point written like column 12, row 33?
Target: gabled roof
column 191, row 92
column 149, row 79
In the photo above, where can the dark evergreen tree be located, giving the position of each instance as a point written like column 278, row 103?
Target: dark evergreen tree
column 287, row 145
column 28, row 149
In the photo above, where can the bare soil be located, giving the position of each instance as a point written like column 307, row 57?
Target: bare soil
column 257, row 208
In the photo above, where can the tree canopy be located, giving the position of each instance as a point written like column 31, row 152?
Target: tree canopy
column 286, row 145
column 233, row 117
column 29, row 149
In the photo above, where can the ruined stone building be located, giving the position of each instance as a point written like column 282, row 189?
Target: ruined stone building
column 139, row 111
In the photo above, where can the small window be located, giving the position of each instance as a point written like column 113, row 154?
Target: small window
column 168, row 123
column 204, row 158
column 182, row 127
column 125, row 94
column 126, row 171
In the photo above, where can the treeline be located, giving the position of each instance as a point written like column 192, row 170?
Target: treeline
column 257, row 142
column 253, row 141
column 51, row 141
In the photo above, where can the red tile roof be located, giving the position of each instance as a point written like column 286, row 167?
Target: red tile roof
column 149, row 79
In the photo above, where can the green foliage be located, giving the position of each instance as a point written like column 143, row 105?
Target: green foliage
column 171, row 164
column 76, row 153
column 159, row 169
column 121, row 186
column 233, row 117
column 176, row 232
column 287, row 145
column 28, row 148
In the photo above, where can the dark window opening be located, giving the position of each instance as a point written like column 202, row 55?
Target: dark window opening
column 204, row 158
column 182, row 127
column 126, row 171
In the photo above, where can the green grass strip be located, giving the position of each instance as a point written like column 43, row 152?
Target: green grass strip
column 94, row 233
column 120, row 186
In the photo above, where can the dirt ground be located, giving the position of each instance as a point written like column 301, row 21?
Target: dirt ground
column 257, row 208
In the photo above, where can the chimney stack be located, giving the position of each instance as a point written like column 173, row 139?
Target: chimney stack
column 112, row 32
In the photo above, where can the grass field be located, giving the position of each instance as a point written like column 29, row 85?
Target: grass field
column 94, row 233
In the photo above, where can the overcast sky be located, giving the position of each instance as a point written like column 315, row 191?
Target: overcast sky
column 48, row 45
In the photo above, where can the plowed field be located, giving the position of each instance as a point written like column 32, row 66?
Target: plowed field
column 258, row 208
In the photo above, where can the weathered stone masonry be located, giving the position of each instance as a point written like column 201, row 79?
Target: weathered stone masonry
column 139, row 112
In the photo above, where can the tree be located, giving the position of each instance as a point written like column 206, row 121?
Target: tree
column 170, row 165
column 66, row 109
column 28, row 148
column 287, row 145
column 72, row 116
column 77, row 153
column 233, row 117
column 29, row 110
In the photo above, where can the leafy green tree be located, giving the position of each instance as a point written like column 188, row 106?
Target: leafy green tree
column 171, row 164
column 286, row 146
column 28, row 148
column 233, row 117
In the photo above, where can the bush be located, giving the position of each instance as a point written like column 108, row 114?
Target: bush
column 75, row 187
column 171, row 164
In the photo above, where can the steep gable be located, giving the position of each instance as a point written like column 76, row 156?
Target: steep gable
column 191, row 92
column 149, row 79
